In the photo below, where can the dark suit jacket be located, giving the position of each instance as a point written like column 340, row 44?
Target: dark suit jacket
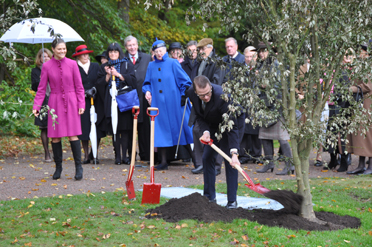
column 212, row 116
column 212, row 71
column 238, row 59
column 188, row 65
column 140, row 69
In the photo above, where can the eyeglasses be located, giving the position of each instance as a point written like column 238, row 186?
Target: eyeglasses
column 202, row 96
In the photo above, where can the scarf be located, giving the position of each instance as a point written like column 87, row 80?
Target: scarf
column 116, row 63
column 85, row 67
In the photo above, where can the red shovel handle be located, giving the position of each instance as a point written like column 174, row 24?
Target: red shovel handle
column 207, row 143
column 136, row 111
column 152, row 109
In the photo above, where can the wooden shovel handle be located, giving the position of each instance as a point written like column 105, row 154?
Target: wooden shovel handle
column 218, row 150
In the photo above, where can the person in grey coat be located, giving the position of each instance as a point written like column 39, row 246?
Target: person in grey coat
column 276, row 131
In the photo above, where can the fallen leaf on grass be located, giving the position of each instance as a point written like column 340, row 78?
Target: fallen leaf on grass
column 106, row 236
column 291, row 236
column 346, row 241
column 245, row 237
column 370, row 210
column 370, row 233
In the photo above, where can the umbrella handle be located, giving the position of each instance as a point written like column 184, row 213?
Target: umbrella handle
column 136, row 111
column 91, row 101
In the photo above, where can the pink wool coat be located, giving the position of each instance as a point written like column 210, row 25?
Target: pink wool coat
column 66, row 97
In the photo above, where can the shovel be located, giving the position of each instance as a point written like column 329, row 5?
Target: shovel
column 129, row 182
column 151, row 191
column 255, row 187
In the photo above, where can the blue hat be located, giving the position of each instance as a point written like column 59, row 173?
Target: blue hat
column 158, row 44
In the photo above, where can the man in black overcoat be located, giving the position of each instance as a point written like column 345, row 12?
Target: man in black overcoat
column 140, row 61
column 209, row 108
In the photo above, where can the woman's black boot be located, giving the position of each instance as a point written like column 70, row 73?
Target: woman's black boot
column 333, row 163
column 343, row 166
column 57, row 153
column 76, row 152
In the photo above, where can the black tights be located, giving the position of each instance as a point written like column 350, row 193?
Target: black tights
column 122, row 140
column 45, row 140
column 87, row 154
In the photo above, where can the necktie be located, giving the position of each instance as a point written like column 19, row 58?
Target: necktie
column 134, row 60
column 203, row 105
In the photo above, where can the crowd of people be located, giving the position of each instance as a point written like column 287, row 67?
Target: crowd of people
column 186, row 86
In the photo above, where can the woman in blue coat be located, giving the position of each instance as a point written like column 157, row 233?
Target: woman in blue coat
column 164, row 86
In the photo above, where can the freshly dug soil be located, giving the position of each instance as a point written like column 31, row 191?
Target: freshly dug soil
column 198, row 207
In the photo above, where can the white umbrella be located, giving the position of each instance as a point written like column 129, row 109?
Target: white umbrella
column 114, row 107
column 39, row 30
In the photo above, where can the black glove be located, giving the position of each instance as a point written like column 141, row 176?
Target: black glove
column 91, row 93
column 183, row 100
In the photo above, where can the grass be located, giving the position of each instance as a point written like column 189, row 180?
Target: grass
column 109, row 219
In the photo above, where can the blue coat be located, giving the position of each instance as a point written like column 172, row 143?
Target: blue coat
column 167, row 82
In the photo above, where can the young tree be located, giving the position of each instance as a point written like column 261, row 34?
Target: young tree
column 318, row 30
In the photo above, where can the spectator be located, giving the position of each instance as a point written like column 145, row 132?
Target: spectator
column 67, row 100
column 231, row 45
column 209, row 108
column 359, row 144
column 269, row 64
column 123, row 70
column 164, row 85
column 88, row 72
column 208, row 68
column 250, row 147
column 43, row 56
column 140, row 61
column 175, row 51
column 102, row 58
column 190, row 60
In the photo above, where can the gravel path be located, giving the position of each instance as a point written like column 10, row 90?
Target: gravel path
column 29, row 176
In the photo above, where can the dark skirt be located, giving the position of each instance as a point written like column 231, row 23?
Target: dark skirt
column 43, row 124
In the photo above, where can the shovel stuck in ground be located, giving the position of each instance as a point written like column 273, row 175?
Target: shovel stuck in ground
column 151, row 191
column 255, row 187
column 129, row 182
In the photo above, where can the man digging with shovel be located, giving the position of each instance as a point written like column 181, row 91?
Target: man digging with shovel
column 209, row 108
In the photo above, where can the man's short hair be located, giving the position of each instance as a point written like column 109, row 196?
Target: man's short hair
column 129, row 38
column 201, row 81
column 191, row 43
column 231, row 38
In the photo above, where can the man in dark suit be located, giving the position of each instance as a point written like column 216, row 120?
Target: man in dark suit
column 209, row 108
column 140, row 61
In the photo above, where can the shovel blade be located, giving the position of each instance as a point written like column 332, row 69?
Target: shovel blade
column 130, row 190
column 151, row 193
column 258, row 188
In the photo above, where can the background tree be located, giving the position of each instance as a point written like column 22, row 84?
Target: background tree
column 319, row 30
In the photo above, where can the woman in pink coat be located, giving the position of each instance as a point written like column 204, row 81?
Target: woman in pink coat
column 67, row 99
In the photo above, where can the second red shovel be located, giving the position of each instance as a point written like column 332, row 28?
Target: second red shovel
column 151, row 191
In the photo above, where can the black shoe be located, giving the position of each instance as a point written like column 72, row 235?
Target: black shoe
column 367, row 172
column 358, row 170
column 332, row 164
column 244, row 160
column 286, row 171
column 343, row 166
column 126, row 161
column 218, row 172
column 213, row 201
column 265, row 168
column 117, row 162
column 161, row 167
column 95, row 161
column 86, row 161
column 231, row 205
column 318, row 163
column 76, row 153
column 198, row 170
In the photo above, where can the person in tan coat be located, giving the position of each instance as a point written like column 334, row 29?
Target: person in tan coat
column 358, row 143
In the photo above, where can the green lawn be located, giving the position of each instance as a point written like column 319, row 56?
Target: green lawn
column 109, row 219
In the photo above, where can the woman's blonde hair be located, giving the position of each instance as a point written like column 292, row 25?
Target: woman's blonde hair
column 39, row 58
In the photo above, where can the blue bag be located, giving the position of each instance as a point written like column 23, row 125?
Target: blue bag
column 127, row 98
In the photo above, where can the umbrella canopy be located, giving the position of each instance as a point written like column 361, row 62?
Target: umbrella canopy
column 22, row 32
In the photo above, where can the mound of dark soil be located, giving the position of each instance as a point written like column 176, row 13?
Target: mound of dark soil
column 198, row 207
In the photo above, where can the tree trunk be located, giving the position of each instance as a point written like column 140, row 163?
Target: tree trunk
column 123, row 8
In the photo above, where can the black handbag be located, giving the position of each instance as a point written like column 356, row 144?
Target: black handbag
column 127, row 98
